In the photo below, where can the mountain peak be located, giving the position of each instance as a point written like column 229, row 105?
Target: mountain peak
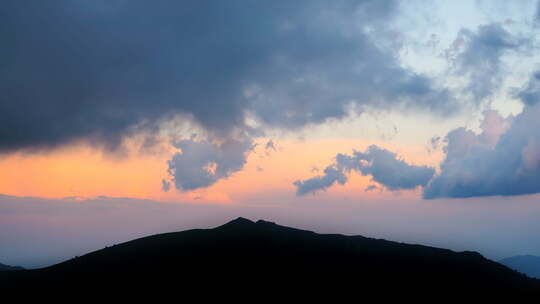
column 264, row 223
column 238, row 222
column 301, row 259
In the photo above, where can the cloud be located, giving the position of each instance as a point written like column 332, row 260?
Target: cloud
column 530, row 95
column 382, row 165
column 371, row 188
column 200, row 164
column 101, row 71
column 503, row 159
column 479, row 57
column 537, row 12
column 165, row 185
column 434, row 144
column 332, row 174
column 270, row 146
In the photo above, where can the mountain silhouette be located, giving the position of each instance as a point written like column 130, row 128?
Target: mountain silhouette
column 9, row 268
column 264, row 258
column 527, row 264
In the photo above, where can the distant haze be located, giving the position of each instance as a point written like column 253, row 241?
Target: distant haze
column 527, row 264
column 38, row 232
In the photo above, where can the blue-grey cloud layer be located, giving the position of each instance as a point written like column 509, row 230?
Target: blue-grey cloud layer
column 382, row 165
column 530, row 95
column 103, row 70
column 480, row 57
column 537, row 12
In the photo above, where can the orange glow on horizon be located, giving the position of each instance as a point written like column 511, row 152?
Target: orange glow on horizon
column 81, row 171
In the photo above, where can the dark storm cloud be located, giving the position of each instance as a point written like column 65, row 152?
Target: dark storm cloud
column 382, row 165
column 503, row 159
column 103, row 70
column 480, row 57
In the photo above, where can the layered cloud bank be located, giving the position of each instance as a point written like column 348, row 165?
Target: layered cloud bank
column 101, row 71
column 105, row 70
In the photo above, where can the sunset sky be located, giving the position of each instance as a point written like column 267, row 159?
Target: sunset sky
column 414, row 121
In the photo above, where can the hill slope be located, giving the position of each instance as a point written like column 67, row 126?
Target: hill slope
column 268, row 258
column 9, row 268
column 527, row 264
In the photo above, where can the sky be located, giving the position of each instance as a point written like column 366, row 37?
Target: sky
column 413, row 121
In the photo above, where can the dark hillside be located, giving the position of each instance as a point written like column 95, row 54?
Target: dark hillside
column 247, row 257
column 9, row 268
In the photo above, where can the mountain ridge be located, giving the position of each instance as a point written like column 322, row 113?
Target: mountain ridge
column 4, row 267
column 283, row 257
